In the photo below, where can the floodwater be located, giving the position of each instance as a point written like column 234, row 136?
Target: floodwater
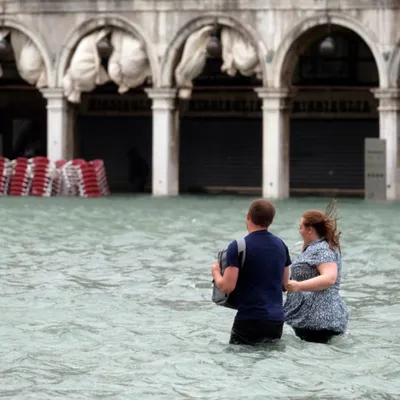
column 111, row 299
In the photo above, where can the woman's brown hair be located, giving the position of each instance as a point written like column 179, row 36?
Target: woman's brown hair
column 325, row 224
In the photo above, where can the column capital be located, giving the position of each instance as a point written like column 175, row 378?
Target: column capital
column 53, row 93
column 163, row 98
column 275, row 98
column 274, row 93
column 161, row 93
column 389, row 98
column 384, row 93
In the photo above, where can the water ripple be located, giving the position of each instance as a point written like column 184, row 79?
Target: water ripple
column 110, row 299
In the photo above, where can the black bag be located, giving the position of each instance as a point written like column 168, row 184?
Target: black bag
column 218, row 296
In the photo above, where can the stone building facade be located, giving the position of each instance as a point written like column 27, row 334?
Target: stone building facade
column 214, row 95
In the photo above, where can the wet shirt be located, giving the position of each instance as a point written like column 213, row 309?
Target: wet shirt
column 259, row 285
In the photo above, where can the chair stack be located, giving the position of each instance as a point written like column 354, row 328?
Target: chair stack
column 59, row 186
column 39, row 176
column 75, row 175
column 69, row 177
column 88, row 183
column 43, row 174
column 21, row 177
column 101, row 176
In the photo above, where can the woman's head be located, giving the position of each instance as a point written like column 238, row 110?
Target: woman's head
column 315, row 224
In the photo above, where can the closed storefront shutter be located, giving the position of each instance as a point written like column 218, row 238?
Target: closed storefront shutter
column 110, row 138
column 221, row 153
column 329, row 154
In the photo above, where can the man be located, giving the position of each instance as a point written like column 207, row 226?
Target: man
column 259, row 283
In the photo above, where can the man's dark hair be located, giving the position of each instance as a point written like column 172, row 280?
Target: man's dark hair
column 261, row 213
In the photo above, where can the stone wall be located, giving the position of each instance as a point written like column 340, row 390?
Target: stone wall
column 273, row 25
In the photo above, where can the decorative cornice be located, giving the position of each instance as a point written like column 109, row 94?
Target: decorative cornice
column 73, row 6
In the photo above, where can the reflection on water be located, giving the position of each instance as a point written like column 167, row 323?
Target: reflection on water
column 110, row 298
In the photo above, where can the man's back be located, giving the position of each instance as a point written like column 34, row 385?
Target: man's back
column 259, row 285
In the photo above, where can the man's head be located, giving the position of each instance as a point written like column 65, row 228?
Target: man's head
column 260, row 215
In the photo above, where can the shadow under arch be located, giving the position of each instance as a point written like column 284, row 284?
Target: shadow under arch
column 169, row 60
column 285, row 58
column 91, row 25
column 36, row 38
column 333, row 110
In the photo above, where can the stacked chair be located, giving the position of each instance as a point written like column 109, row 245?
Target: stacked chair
column 101, row 176
column 20, row 177
column 58, row 188
column 39, row 176
column 43, row 175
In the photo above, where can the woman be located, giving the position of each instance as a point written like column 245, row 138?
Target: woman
column 314, row 308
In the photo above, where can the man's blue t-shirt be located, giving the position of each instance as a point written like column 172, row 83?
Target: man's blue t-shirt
column 259, row 286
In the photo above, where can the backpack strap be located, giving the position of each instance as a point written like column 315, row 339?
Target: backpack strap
column 241, row 244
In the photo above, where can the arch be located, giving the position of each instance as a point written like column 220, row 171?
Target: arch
column 12, row 23
column 285, row 50
column 169, row 58
column 394, row 67
column 91, row 25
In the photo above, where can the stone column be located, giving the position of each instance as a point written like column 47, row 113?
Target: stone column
column 165, row 174
column 59, row 130
column 389, row 106
column 276, row 131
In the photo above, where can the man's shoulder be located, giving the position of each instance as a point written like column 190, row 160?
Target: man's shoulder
column 232, row 246
column 276, row 240
column 278, row 246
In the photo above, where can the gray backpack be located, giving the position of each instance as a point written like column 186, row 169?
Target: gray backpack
column 218, row 296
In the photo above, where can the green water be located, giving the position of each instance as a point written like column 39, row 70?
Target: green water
column 110, row 299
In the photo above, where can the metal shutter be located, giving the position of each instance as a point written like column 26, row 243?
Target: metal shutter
column 110, row 138
column 220, row 153
column 329, row 154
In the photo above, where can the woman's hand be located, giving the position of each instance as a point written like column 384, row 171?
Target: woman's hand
column 293, row 287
